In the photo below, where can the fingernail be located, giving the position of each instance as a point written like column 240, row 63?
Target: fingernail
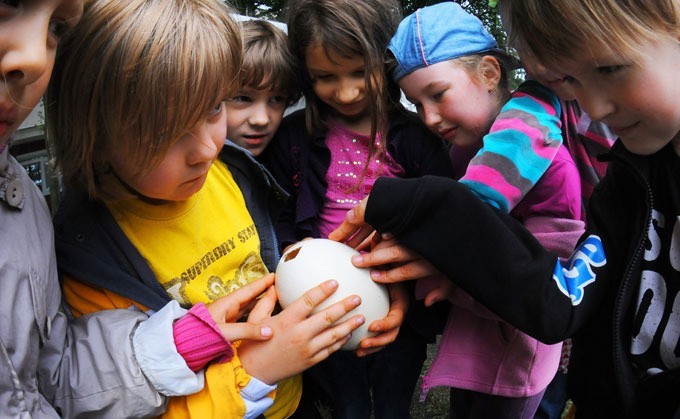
column 360, row 320
column 266, row 331
column 376, row 274
column 356, row 300
column 357, row 259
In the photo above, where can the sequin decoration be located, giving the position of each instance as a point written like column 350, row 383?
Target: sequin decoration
column 349, row 153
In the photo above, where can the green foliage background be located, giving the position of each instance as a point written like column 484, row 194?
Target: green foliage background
column 274, row 9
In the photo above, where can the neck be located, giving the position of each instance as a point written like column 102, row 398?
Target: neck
column 360, row 124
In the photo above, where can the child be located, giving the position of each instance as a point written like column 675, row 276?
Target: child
column 615, row 295
column 328, row 156
column 268, row 86
column 450, row 68
column 48, row 359
column 586, row 139
column 152, row 215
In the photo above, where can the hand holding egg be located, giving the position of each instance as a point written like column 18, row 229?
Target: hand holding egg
column 308, row 263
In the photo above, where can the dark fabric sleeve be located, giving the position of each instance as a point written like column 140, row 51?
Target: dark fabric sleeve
column 488, row 254
column 282, row 157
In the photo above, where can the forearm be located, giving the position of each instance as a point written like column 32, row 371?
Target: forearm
column 488, row 254
column 519, row 148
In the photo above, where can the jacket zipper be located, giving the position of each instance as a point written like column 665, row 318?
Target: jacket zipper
column 618, row 348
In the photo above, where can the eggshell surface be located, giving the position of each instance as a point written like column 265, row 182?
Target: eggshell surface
column 308, row 263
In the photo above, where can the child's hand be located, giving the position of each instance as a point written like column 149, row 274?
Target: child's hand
column 393, row 262
column 353, row 230
column 227, row 310
column 300, row 339
column 387, row 328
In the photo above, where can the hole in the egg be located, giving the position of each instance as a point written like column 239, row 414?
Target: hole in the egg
column 291, row 255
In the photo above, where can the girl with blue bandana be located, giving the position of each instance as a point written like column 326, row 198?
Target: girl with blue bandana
column 451, row 68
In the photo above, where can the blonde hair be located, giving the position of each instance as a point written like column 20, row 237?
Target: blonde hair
column 134, row 76
column 267, row 60
column 549, row 30
column 471, row 64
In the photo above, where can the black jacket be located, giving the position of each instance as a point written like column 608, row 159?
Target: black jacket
column 492, row 257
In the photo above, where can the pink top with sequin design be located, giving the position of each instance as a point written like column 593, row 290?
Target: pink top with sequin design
column 349, row 151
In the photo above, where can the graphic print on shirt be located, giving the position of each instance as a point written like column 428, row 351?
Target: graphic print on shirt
column 577, row 273
column 655, row 346
column 220, row 270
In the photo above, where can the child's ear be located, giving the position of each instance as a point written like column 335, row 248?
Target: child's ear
column 489, row 71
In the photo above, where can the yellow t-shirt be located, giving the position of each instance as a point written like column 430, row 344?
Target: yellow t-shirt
column 200, row 250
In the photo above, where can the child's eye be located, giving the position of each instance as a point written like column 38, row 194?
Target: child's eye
column 217, row 109
column 58, row 27
column 241, row 99
column 610, row 69
column 10, row 3
column 568, row 79
column 438, row 95
column 277, row 100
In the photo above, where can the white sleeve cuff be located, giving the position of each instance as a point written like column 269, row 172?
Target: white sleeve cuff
column 255, row 397
column 157, row 355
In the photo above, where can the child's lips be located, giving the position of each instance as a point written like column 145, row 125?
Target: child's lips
column 8, row 116
column 255, row 139
column 622, row 131
column 448, row 134
column 4, row 127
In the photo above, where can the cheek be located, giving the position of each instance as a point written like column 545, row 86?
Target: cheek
column 219, row 130
column 322, row 91
column 157, row 179
column 233, row 121
column 275, row 117
column 33, row 93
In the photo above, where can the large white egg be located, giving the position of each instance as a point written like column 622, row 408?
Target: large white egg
column 308, row 263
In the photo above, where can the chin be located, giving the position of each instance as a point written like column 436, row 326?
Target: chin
column 642, row 149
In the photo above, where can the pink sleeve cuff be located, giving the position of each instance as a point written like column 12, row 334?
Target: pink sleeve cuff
column 199, row 340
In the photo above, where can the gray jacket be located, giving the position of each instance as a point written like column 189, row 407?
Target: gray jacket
column 51, row 366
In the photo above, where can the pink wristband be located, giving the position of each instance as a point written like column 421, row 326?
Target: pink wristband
column 199, row 340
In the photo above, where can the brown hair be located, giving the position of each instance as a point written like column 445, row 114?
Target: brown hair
column 549, row 30
column 137, row 74
column 349, row 28
column 267, row 60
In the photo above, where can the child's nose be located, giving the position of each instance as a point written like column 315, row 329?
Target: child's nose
column 347, row 92
column 26, row 57
column 432, row 117
column 204, row 149
column 596, row 104
column 259, row 115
